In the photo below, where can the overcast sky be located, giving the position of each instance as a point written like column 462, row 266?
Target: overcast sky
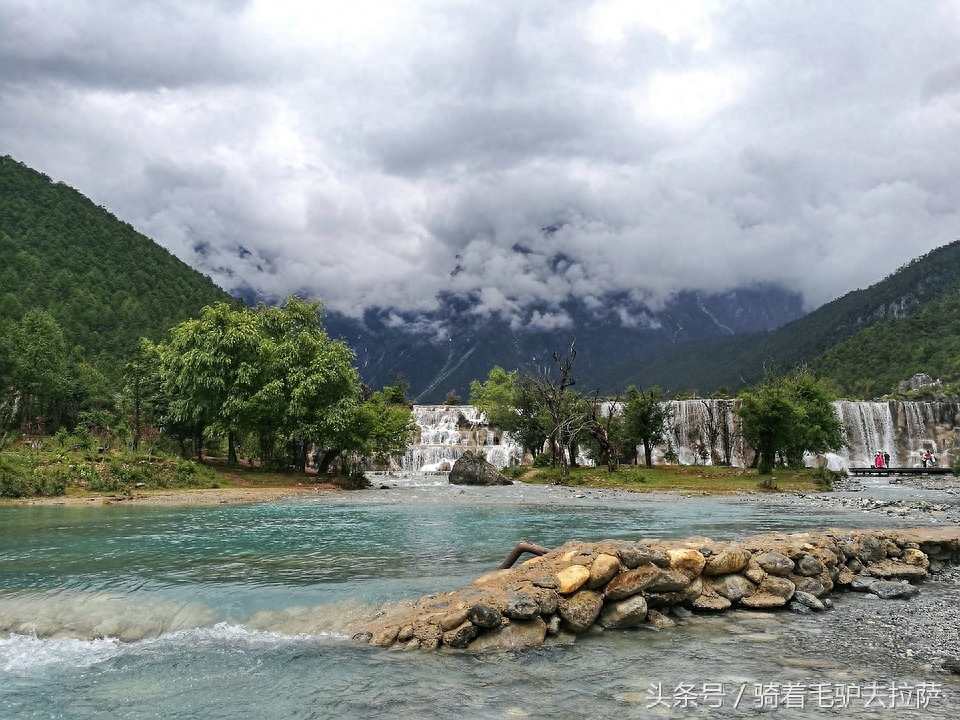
column 374, row 153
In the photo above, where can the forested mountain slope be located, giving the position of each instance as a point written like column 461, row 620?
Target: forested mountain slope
column 736, row 362
column 106, row 284
column 874, row 361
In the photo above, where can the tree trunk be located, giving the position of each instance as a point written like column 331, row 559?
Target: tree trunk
column 648, row 453
column 323, row 467
column 232, row 449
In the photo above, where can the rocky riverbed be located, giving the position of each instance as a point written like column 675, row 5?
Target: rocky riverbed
column 863, row 606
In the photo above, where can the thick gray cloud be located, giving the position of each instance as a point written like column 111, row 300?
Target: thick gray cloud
column 377, row 153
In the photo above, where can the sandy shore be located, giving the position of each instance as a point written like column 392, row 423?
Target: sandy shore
column 219, row 496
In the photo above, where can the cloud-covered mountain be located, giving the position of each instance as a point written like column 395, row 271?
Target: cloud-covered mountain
column 387, row 155
column 445, row 349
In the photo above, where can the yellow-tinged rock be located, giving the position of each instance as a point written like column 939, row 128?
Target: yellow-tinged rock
column 572, row 578
column 727, row 561
column 602, row 570
column 915, row 557
column 687, row 561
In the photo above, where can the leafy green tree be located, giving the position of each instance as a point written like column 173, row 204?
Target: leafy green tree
column 273, row 374
column 789, row 416
column 308, row 388
column 211, row 371
column 39, row 364
column 510, row 402
column 645, row 416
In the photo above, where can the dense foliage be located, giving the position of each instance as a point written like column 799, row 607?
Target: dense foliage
column 104, row 283
column 271, row 376
column 539, row 408
column 874, row 361
column 787, row 416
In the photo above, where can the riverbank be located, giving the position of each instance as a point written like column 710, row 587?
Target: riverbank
column 184, row 496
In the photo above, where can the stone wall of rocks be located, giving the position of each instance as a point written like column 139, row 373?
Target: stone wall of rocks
column 589, row 587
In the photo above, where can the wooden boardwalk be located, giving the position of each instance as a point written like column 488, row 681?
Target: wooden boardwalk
column 887, row 471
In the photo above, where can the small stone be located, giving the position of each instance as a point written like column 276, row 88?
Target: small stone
column 687, row 562
column 915, row 557
column 809, row 566
column 658, row 621
column 726, row 562
column 521, row 606
column 602, row 570
column 452, row 620
column 460, row 636
column 581, row 609
column 515, row 636
column 774, row 563
column 668, row 580
column 631, row 582
column 628, row 613
column 485, row 616
column 572, row 578
column 810, row 601
column 886, row 590
column 733, row 587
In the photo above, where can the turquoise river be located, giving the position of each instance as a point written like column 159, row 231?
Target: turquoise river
column 235, row 611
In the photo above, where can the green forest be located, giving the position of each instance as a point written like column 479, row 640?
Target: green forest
column 104, row 283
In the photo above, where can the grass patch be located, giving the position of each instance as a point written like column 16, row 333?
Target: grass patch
column 58, row 470
column 706, row 480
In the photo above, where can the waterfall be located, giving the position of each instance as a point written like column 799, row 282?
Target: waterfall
column 445, row 432
column 704, row 431
column 707, row 432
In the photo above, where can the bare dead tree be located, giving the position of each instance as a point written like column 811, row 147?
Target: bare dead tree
column 564, row 407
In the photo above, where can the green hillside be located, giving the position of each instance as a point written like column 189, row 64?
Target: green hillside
column 105, row 284
column 737, row 362
column 875, row 360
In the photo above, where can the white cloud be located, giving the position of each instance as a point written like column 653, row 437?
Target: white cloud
column 377, row 153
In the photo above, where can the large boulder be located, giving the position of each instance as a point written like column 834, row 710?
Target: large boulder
column 473, row 469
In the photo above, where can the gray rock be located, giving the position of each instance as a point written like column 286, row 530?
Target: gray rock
column 775, row 563
column 808, row 600
column 473, row 469
column 863, row 584
column 484, row 616
column 581, row 609
column 521, row 606
column 809, row 566
column 628, row 613
column 888, row 590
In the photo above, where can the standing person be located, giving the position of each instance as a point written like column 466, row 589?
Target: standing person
column 886, row 459
column 878, row 460
column 926, row 457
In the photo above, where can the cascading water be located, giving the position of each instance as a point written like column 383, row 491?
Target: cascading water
column 447, row 431
column 904, row 429
column 707, row 432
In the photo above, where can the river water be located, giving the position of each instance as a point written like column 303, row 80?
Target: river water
column 247, row 610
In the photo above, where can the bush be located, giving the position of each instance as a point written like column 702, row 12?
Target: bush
column 769, row 483
column 515, row 471
column 355, row 481
column 825, row 478
column 13, row 486
column 542, row 460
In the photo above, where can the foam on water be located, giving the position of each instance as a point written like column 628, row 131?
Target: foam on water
column 28, row 655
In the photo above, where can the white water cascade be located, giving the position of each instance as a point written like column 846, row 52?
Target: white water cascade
column 447, row 431
column 904, row 429
column 707, row 432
